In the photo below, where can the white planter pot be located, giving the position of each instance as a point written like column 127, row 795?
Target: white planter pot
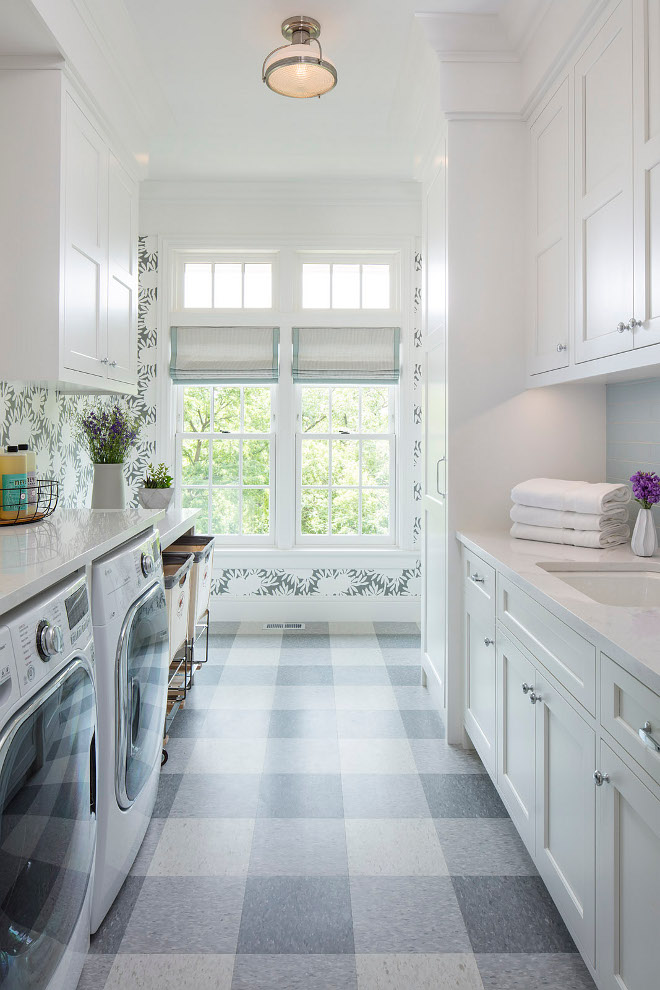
column 155, row 498
column 109, row 491
column 644, row 540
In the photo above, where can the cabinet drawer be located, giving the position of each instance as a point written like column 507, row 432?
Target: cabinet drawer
column 479, row 583
column 566, row 654
column 627, row 708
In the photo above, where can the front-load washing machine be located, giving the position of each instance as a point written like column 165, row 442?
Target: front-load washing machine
column 47, row 788
column 129, row 613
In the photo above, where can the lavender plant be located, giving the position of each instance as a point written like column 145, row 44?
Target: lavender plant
column 108, row 434
column 646, row 488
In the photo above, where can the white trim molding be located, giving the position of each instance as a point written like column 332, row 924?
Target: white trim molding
column 315, row 610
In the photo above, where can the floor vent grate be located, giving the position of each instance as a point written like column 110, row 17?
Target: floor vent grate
column 284, row 625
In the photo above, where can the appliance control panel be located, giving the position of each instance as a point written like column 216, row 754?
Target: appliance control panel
column 9, row 692
column 119, row 578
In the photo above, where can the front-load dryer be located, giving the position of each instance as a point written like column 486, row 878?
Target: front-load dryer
column 47, row 788
column 129, row 613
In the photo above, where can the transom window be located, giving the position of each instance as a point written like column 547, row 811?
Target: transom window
column 345, row 464
column 226, row 458
column 330, row 285
column 227, row 285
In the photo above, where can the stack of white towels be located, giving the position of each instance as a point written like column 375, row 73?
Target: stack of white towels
column 576, row 513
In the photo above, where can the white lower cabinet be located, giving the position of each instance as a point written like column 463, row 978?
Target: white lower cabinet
column 628, row 877
column 480, row 687
column 516, row 731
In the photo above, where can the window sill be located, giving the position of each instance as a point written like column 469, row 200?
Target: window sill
column 314, row 557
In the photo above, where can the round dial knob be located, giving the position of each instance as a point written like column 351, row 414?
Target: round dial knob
column 50, row 640
column 147, row 564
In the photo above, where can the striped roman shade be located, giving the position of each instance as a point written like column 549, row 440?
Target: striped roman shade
column 346, row 355
column 225, row 355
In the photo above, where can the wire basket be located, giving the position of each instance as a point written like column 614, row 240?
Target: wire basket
column 19, row 506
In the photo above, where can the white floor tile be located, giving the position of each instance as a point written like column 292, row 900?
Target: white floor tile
column 401, row 847
column 203, row 847
column 227, row 756
column 376, row 756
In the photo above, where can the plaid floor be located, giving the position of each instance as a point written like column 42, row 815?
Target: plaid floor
column 313, row 831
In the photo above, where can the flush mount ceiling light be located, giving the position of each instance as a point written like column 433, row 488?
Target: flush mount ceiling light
column 296, row 69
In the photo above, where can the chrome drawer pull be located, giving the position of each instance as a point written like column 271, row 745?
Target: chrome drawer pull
column 477, row 579
column 648, row 739
column 601, row 778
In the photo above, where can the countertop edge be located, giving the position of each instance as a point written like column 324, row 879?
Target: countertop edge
column 178, row 521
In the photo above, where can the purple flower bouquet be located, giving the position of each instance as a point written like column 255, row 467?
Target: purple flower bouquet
column 108, row 434
column 646, row 488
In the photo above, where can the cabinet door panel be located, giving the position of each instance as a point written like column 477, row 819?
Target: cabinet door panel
column 122, row 274
column 565, row 810
column 435, row 260
column 481, row 689
column 516, row 734
column 603, row 190
column 435, row 420
column 628, row 889
column 435, row 591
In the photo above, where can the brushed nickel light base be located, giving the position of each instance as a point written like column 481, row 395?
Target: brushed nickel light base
column 300, row 29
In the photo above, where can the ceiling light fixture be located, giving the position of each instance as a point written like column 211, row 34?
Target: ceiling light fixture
column 295, row 69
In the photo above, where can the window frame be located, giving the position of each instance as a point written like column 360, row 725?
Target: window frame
column 224, row 258
column 347, row 258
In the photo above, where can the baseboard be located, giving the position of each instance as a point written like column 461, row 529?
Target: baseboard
column 354, row 609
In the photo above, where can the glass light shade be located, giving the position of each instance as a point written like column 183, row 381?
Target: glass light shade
column 297, row 72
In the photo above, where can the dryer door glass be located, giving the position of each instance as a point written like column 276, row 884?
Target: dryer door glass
column 142, row 673
column 47, row 826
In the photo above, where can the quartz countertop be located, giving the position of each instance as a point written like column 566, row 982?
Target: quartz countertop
column 175, row 523
column 629, row 635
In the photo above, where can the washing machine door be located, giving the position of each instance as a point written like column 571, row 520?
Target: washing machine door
column 47, row 825
column 142, row 673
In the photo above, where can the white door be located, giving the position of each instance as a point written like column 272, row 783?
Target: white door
column 604, row 191
column 481, row 688
column 628, row 878
column 122, row 274
column 434, row 598
column 516, row 731
column 85, row 267
column 566, row 810
column 647, row 172
column 550, row 314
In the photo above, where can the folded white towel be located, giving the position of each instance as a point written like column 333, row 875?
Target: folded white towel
column 572, row 537
column 531, row 515
column 570, row 496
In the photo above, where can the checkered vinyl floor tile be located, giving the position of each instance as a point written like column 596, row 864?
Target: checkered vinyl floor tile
column 313, row 831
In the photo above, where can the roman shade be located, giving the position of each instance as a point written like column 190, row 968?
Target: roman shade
column 225, row 355
column 346, row 355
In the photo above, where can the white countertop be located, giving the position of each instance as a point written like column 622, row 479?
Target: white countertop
column 631, row 636
column 175, row 523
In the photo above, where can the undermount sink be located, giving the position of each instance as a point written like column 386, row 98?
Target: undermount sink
column 623, row 587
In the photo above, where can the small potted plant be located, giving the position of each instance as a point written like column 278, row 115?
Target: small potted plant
column 157, row 491
column 108, row 433
column 646, row 491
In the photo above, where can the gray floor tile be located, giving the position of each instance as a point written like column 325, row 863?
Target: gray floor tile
column 186, row 915
column 187, row 723
column 550, row 971
column 203, row 847
column 370, row 725
column 167, row 971
column 302, row 756
column 95, row 972
column 198, row 699
column 408, row 641
column 511, row 914
column 349, row 641
column 461, row 795
column 108, row 937
column 305, row 640
column 394, row 847
column 384, row 796
column 252, row 674
column 414, row 699
column 298, row 847
column 404, row 676
column 168, row 787
column 402, row 656
column 423, row 724
column 407, row 914
column 302, row 972
column 483, row 847
column 299, row 795
column 418, row 971
column 437, row 756
column 289, row 723
column 223, row 795
column 178, row 753
column 305, row 675
column 151, row 839
column 296, row 915
column 320, row 696
column 371, row 756
column 305, row 656
column 237, row 724
column 397, row 629
column 208, row 674
column 362, row 675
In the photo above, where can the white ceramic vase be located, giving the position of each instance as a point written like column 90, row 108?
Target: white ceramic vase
column 644, row 540
column 109, row 490
column 155, row 498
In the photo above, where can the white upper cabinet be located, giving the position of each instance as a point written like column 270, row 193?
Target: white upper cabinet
column 604, row 191
column 550, row 315
column 70, row 267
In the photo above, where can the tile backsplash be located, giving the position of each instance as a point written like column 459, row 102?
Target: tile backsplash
column 633, row 432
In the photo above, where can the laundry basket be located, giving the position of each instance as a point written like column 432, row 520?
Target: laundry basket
column 201, row 547
column 177, row 570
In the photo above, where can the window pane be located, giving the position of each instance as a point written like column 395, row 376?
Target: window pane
column 256, row 520
column 315, row 410
column 375, row 286
column 376, row 462
column 345, row 462
column 345, row 409
column 314, row 512
column 256, row 462
column 315, row 469
column 224, row 509
column 225, row 462
column 258, row 288
column 196, row 409
column 195, row 498
column 197, row 292
column 227, row 286
column 345, row 511
column 375, row 513
column 316, row 286
column 256, row 402
column 345, row 286
column 227, row 417
column 375, row 410
column 195, row 462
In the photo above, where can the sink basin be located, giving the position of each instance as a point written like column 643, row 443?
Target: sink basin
column 620, row 587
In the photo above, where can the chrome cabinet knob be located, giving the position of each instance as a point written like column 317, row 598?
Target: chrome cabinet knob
column 534, row 697
column 646, row 737
column 477, row 579
column 601, row 778
column 526, row 688
column 50, row 640
column 562, row 347
column 622, row 327
column 634, row 323
column 113, row 364
column 104, row 360
column 488, row 641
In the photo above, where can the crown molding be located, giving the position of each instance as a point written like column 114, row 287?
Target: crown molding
column 31, row 62
column 284, row 192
